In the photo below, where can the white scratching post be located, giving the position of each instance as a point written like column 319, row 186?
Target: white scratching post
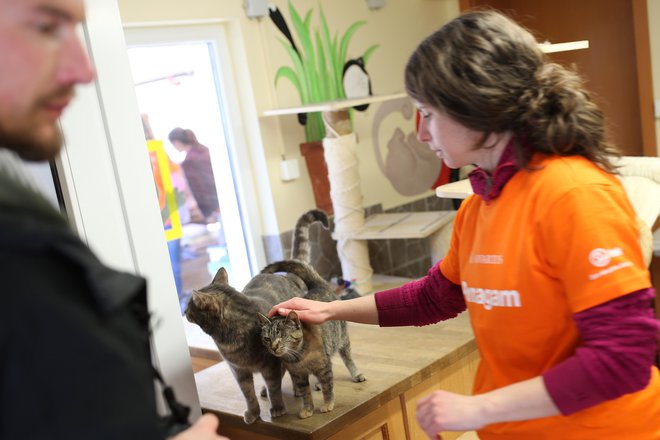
column 340, row 152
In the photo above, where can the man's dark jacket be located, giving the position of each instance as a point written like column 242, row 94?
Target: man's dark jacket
column 74, row 343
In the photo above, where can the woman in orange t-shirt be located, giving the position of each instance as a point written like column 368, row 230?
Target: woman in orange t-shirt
column 545, row 255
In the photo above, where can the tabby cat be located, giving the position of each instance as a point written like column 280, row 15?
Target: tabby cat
column 308, row 349
column 301, row 248
column 228, row 316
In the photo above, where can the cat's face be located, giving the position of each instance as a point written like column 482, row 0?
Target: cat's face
column 282, row 337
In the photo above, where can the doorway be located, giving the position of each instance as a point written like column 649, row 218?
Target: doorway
column 178, row 85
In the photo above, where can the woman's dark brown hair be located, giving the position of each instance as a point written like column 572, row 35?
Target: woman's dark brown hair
column 489, row 74
column 185, row 136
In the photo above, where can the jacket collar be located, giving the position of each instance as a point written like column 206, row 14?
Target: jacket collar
column 30, row 224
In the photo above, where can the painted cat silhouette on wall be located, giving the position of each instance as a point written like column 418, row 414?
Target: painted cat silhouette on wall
column 406, row 156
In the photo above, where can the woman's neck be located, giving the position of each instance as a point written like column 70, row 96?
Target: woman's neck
column 492, row 151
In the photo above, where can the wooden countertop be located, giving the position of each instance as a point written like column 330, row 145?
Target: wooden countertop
column 392, row 359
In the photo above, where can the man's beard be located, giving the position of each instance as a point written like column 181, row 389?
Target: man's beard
column 31, row 148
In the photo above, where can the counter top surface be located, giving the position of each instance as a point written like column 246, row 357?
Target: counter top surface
column 392, row 359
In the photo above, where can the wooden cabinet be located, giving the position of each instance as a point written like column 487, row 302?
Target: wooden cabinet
column 457, row 378
column 385, row 423
column 401, row 365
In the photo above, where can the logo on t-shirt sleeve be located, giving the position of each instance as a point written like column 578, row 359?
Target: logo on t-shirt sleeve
column 600, row 257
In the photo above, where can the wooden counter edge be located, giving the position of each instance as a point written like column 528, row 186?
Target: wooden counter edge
column 272, row 429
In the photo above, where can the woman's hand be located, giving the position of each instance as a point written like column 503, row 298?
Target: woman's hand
column 312, row 312
column 445, row 411
column 205, row 428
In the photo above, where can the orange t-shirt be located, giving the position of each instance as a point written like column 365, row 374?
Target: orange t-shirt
column 559, row 239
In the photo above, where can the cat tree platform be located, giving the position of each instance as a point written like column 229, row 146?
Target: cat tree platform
column 434, row 225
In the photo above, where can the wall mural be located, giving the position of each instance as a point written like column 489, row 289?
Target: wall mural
column 321, row 72
column 405, row 155
column 320, row 67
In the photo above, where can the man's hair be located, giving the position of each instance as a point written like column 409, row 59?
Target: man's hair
column 489, row 74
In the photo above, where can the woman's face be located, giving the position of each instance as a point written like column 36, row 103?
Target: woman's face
column 451, row 141
column 456, row 144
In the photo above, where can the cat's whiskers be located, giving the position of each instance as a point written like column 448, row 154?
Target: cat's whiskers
column 292, row 355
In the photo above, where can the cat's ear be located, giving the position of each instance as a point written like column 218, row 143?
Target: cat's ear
column 293, row 316
column 263, row 319
column 297, row 331
column 205, row 302
column 221, row 278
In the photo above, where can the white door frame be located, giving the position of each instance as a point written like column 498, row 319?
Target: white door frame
column 110, row 196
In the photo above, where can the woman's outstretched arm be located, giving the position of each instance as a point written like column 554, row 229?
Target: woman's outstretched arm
column 362, row 310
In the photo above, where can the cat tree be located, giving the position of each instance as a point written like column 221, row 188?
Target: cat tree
column 340, row 152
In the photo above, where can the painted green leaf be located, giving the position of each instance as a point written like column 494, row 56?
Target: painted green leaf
column 324, row 77
column 299, row 71
column 339, row 68
column 308, row 19
column 343, row 49
column 288, row 73
column 308, row 58
column 331, row 54
column 367, row 53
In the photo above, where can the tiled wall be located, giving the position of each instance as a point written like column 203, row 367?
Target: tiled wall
column 410, row 258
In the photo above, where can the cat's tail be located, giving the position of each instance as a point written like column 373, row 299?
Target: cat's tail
column 302, row 270
column 301, row 247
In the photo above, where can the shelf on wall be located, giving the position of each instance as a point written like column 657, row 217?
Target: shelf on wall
column 328, row 106
column 341, row 104
column 460, row 189
column 564, row 47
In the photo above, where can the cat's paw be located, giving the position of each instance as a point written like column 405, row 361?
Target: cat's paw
column 249, row 417
column 305, row 413
column 327, row 407
column 359, row 378
column 277, row 412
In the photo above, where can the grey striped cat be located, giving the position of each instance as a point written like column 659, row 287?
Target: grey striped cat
column 229, row 317
column 308, row 349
